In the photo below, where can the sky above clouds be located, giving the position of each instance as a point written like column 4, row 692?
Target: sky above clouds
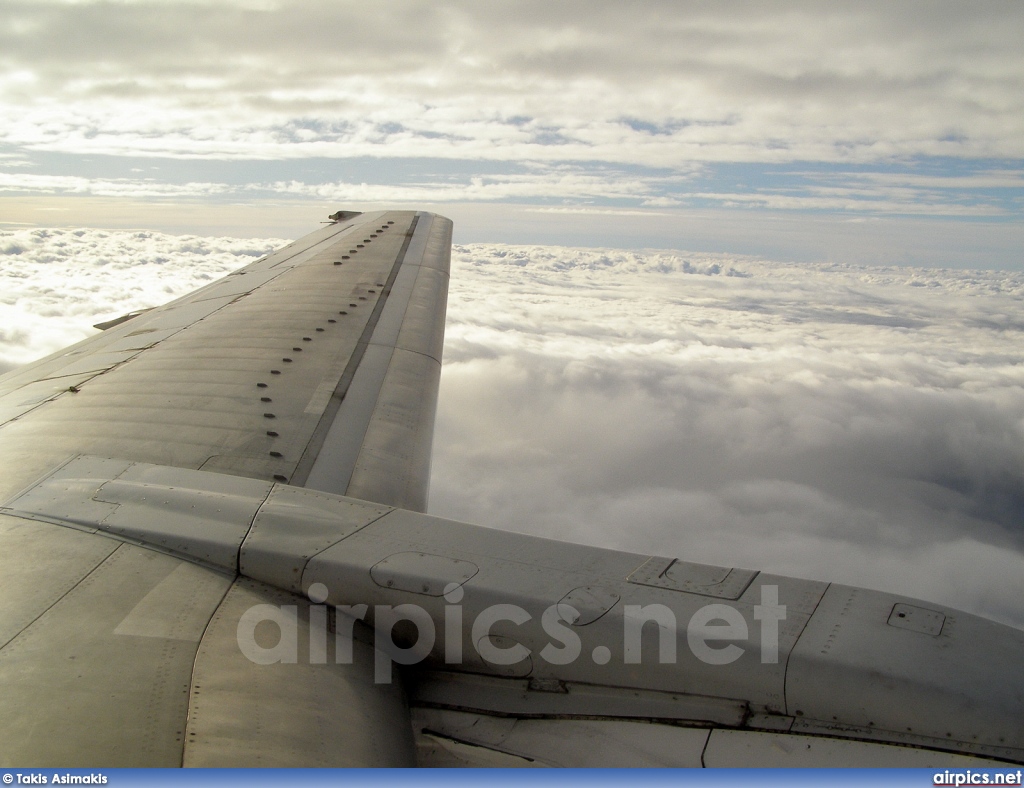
column 756, row 128
column 855, row 424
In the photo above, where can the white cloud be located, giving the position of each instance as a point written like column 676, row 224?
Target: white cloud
column 101, row 187
column 859, row 425
column 558, row 183
column 985, row 179
column 662, row 84
column 855, row 200
column 55, row 284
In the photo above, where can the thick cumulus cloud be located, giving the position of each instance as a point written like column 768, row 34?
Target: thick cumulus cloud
column 848, row 424
column 660, row 83
column 857, row 425
column 55, row 284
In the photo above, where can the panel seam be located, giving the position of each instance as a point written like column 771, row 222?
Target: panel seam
column 792, row 650
column 62, row 597
column 195, row 660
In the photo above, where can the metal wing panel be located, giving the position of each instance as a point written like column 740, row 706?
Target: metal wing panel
column 39, row 564
column 376, row 445
column 98, row 639
column 248, row 375
column 393, row 464
column 832, row 661
column 762, row 749
column 151, row 326
column 451, row 738
column 302, row 711
column 101, row 677
column 133, row 657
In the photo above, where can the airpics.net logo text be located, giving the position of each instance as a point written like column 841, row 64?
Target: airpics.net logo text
column 958, row 777
column 712, row 634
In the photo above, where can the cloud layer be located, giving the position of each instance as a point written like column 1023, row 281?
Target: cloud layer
column 856, row 108
column 655, row 84
column 55, row 284
column 857, row 425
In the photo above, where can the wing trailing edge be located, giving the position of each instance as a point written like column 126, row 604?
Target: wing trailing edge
column 572, row 632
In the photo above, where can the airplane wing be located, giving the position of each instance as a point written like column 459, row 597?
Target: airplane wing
column 214, row 552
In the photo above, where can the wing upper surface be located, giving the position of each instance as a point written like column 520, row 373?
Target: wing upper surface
column 804, row 659
column 121, row 648
column 331, row 344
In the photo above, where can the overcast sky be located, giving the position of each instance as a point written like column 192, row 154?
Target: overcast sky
column 866, row 132
column 856, row 424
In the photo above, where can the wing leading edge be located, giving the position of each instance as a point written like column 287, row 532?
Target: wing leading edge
column 251, row 377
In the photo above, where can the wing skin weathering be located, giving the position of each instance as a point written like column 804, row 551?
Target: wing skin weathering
column 263, row 445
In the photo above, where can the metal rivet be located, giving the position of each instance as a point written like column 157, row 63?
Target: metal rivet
column 275, row 372
column 271, row 433
column 319, row 329
column 276, row 454
column 373, row 236
column 359, row 246
column 353, row 304
column 307, row 339
column 362, row 298
column 288, row 360
column 261, row 385
column 351, row 251
column 342, row 313
column 269, row 416
column 337, row 262
column 345, row 257
column 390, row 222
column 266, row 399
column 280, row 478
column 371, row 291
column 331, row 320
